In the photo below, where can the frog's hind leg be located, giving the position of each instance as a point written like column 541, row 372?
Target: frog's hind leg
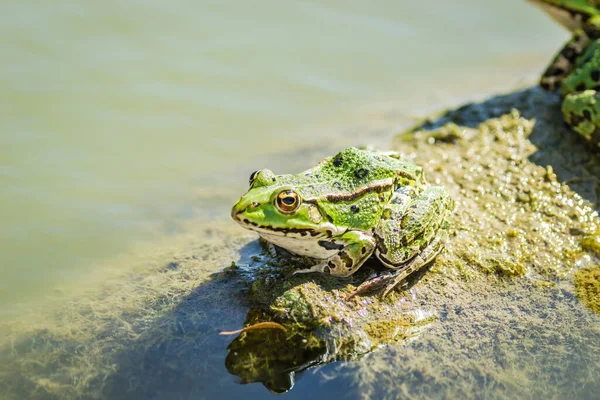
column 410, row 234
column 390, row 279
column 564, row 61
column 582, row 112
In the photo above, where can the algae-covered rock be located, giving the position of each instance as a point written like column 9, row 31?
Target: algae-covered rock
column 592, row 243
column 513, row 221
column 496, row 315
column 527, row 199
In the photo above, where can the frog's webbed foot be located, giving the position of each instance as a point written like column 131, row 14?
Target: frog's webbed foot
column 271, row 249
column 388, row 280
column 376, row 281
column 319, row 267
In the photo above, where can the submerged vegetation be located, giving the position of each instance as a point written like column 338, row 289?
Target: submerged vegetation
column 497, row 311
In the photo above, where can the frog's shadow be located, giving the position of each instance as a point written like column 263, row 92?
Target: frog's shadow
column 276, row 361
column 182, row 354
column 573, row 159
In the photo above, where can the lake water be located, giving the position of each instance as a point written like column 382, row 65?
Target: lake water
column 121, row 120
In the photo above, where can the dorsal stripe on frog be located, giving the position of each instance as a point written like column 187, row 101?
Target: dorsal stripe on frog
column 377, row 187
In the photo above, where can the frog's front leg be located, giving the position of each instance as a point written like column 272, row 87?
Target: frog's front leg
column 582, row 112
column 354, row 247
column 409, row 236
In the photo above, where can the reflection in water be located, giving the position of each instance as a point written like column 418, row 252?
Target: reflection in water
column 273, row 358
column 320, row 325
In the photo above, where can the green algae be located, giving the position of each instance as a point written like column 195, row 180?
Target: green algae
column 513, row 217
column 587, row 281
column 591, row 243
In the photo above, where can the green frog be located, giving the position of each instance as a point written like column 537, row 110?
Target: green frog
column 576, row 68
column 350, row 206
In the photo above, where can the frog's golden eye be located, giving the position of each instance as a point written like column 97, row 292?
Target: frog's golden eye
column 253, row 177
column 287, row 201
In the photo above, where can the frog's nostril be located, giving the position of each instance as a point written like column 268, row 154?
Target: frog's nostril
column 255, row 204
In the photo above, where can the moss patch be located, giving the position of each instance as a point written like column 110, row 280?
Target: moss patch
column 587, row 281
column 591, row 243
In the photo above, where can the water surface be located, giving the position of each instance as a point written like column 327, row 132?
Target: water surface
column 120, row 120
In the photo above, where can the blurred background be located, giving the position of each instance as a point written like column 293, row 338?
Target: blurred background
column 120, row 120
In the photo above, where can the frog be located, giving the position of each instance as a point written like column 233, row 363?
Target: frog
column 575, row 69
column 351, row 206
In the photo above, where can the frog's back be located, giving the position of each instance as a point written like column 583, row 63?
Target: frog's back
column 370, row 165
column 353, row 169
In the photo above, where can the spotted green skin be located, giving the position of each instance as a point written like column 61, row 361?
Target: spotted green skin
column 353, row 205
column 576, row 68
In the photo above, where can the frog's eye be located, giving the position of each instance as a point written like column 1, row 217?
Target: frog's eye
column 287, row 201
column 262, row 177
column 253, row 177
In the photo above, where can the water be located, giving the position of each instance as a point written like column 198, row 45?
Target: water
column 121, row 120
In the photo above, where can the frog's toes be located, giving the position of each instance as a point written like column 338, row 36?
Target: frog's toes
column 271, row 249
column 375, row 281
column 342, row 264
column 320, row 267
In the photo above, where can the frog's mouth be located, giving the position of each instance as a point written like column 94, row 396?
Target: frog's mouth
column 325, row 230
column 296, row 232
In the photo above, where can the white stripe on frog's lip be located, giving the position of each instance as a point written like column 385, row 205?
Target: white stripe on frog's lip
column 325, row 230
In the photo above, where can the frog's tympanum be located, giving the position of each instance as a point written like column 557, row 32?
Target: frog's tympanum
column 350, row 206
column 576, row 68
